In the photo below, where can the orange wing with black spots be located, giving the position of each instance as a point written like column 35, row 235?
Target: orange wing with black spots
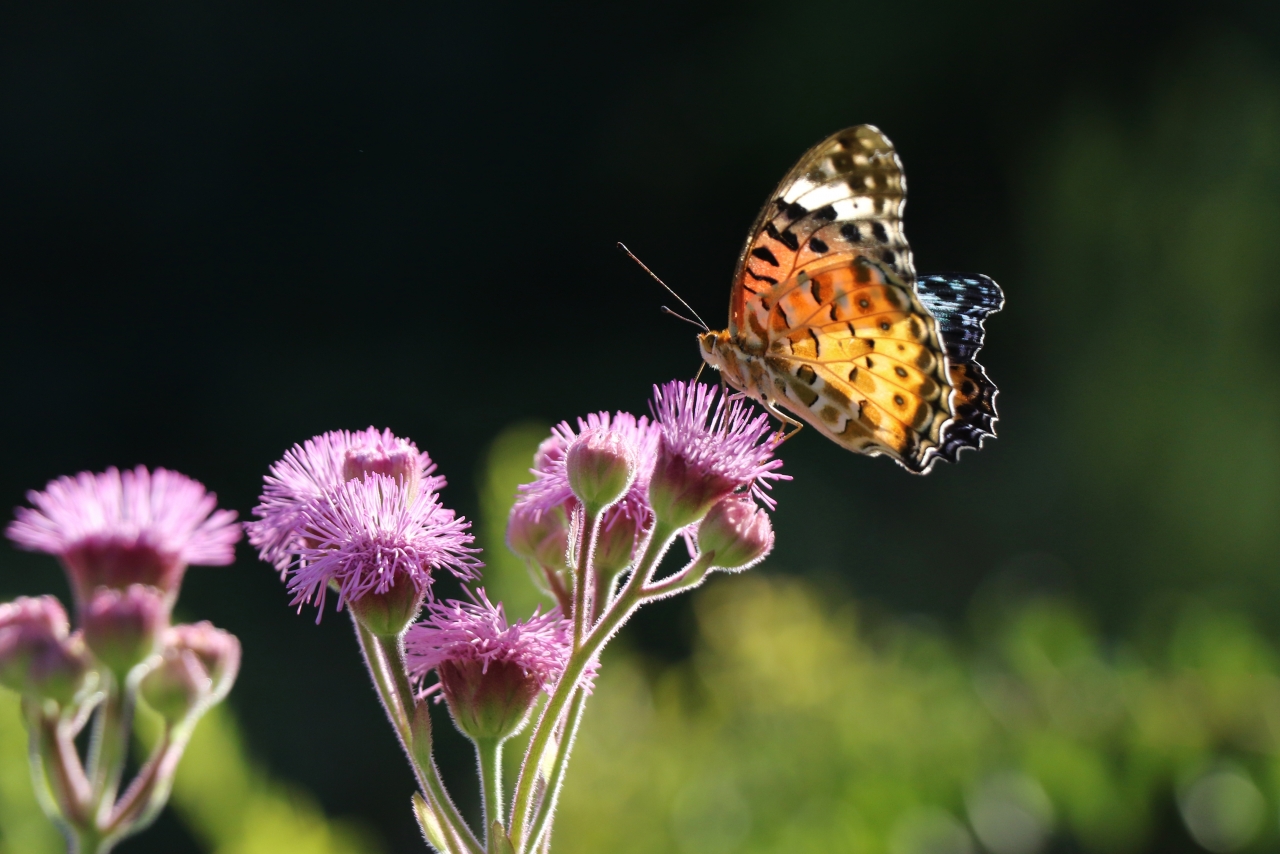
column 826, row 319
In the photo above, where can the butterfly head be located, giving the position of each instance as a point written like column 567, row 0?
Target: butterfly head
column 719, row 351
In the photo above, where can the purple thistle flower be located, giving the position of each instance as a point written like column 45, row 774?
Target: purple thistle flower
column 367, row 536
column 478, row 631
column 118, row 528
column 489, row 671
column 711, row 445
column 310, row 470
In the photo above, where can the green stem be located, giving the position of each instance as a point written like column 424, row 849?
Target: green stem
column 689, row 577
column 489, row 755
column 385, row 660
column 548, row 806
column 583, row 584
column 628, row 600
column 111, row 737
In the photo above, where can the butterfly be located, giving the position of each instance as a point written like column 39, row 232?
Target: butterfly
column 828, row 320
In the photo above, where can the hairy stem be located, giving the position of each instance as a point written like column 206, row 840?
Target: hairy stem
column 628, row 600
column 547, row 809
column 385, row 659
column 489, row 757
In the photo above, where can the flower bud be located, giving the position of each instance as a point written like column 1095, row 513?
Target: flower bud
column 736, row 533
column 615, row 544
column 198, row 665
column 36, row 655
column 542, row 538
column 681, row 493
column 488, row 700
column 122, row 628
column 389, row 613
column 601, row 466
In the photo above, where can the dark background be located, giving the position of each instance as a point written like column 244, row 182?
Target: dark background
column 226, row 227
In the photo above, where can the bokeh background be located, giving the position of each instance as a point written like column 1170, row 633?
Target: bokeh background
column 228, row 226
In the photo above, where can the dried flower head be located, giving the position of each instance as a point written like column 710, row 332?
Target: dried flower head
column 118, row 528
column 309, row 470
column 711, row 446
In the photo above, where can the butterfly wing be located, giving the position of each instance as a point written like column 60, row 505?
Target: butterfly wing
column 825, row 307
column 961, row 304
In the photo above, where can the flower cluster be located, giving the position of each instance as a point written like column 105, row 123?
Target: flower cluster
column 698, row 448
column 125, row 540
column 359, row 512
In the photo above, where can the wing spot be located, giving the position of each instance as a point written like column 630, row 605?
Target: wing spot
column 900, row 371
column 790, row 240
column 864, row 303
column 850, row 232
column 900, row 400
column 969, row 388
column 888, row 256
column 828, row 213
column 817, row 245
column 870, row 364
column 877, row 228
column 807, row 374
column 853, row 374
column 884, row 325
column 795, row 210
column 763, row 253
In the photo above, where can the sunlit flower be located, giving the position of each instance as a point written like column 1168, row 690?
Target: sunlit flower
column 490, row 672
column 371, row 535
column 309, row 470
column 134, row 527
column 711, row 446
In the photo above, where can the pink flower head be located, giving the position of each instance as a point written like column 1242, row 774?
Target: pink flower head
column 550, row 488
column 478, row 631
column 489, row 671
column 369, row 535
column 308, row 471
column 711, row 445
column 134, row 527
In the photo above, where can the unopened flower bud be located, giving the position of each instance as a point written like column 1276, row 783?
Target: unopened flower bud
column 37, row 657
column 601, row 466
column 198, row 665
column 615, row 544
column 736, row 532
column 539, row 537
column 122, row 628
column 488, row 700
column 390, row 612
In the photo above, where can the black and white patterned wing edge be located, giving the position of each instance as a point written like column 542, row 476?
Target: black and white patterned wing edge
column 960, row 304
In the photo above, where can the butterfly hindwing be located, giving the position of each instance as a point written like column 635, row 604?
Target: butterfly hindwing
column 961, row 303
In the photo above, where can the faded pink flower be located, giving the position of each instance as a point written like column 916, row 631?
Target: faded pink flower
column 117, row 528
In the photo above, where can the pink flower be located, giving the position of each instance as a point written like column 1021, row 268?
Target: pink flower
column 369, row 535
column 308, row 471
column 119, row 528
column 490, row 671
column 711, row 446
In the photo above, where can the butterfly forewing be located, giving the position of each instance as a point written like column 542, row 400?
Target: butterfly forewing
column 827, row 320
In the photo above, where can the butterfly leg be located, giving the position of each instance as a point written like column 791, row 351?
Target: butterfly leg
column 782, row 434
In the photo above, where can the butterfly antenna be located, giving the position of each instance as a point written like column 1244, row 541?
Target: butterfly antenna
column 680, row 316
column 652, row 275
